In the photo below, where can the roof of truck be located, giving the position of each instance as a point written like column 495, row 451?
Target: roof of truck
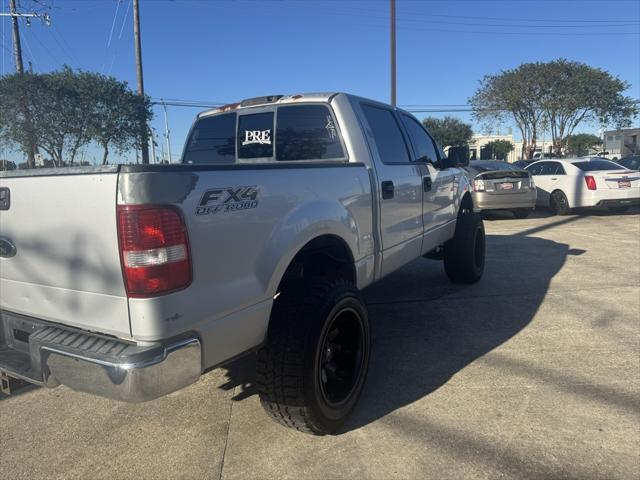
column 272, row 100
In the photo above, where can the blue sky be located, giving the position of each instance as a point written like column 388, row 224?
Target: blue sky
column 223, row 51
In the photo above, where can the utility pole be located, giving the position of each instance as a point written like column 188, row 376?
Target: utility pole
column 144, row 136
column 17, row 48
column 31, row 147
column 393, row 52
column 166, row 130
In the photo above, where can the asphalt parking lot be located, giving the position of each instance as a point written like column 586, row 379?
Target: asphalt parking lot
column 532, row 373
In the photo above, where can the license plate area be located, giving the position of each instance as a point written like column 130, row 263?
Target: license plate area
column 624, row 183
column 505, row 186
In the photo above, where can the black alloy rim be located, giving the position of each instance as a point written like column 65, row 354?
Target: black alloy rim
column 341, row 357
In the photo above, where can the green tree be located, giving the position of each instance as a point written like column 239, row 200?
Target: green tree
column 581, row 144
column 448, row 131
column 573, row 92
column 500, row 148
column 70, row 109
column 118, row 114
column 559, row 94
column 511, row 94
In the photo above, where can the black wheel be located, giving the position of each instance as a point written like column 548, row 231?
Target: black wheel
column 464, row 253
column 559, row 203
column 618, row 209
column 312, row 369
column 521, row 213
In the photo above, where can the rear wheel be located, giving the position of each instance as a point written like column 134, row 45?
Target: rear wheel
column 521, row 213
column 312, row 370
column 559, row 203
column 464, row 254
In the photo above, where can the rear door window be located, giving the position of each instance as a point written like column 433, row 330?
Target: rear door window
column 255, row 135
column 307, row 132
column 387, row 135
column 212, row 140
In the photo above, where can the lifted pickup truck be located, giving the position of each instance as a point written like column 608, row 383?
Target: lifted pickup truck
column 130, row 281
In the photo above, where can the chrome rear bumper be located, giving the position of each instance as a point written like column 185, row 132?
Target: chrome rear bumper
column 49, row 355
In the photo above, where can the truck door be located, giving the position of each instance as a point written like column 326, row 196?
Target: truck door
column 399, row 187
column 438, row 184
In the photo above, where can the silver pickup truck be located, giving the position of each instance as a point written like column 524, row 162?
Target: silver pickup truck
column 130, row 281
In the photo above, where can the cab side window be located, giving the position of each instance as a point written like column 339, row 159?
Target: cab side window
column 423, row 144
column 387, row 135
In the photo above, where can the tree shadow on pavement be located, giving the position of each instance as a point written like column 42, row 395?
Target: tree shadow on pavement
column 426, row 329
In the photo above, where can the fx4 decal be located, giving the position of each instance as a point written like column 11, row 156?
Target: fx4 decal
column 227, row 199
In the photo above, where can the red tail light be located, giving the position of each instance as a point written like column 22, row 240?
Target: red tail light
column 154, row 249
column 591, row 182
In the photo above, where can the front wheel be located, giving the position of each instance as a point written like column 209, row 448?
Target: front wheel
column 464, row 254
column 312, row 369
column 559, row 203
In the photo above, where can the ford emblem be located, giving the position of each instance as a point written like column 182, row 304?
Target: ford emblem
column 7, row 248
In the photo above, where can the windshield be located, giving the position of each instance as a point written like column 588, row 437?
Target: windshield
column 595, row 164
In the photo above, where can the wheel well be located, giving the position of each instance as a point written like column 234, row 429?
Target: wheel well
column 325, row 256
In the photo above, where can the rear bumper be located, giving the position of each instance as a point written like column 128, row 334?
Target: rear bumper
column 619, row 202
column 49, row 355
column 492, row 201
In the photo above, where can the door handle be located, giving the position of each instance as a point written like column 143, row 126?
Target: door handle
column 387, row 189
column 426, row 184
column 554, row 179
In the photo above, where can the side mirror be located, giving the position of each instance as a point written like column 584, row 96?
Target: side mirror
column 457, row 157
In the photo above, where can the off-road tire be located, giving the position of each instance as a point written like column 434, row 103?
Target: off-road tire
column 559, row 203
column 464, row 254
column 521, row 213
column 289, row 375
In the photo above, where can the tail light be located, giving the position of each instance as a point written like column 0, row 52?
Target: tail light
column 154, row 249
column 478, row 185
column 591, row 182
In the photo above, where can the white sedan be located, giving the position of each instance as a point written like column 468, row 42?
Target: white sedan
column 568, row 183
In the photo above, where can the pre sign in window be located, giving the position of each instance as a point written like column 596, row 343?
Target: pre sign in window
column 255, row 135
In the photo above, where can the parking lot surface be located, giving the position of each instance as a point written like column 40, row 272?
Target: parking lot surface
column 532, row 373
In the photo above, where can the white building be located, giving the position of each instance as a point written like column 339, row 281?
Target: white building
column 478, row 150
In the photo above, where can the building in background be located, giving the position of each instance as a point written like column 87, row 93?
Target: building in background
column 478, row 149
column 620, row 143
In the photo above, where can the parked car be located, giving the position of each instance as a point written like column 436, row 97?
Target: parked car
column 502, row 186
column 564, row 184
column 522, row 163
column 130, row 281
column 632, row 162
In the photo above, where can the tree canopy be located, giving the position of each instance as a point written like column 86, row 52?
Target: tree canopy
column 500, row 148
column 581, row 144
column 559, row 95
column 68, row 110
column 448, row 131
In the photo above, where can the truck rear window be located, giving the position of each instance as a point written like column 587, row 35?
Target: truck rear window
column 302, row 132
column 306, row 132
column 213, row 140
column 255, row 135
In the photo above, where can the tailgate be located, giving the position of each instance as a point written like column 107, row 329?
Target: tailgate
column 65, row 264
